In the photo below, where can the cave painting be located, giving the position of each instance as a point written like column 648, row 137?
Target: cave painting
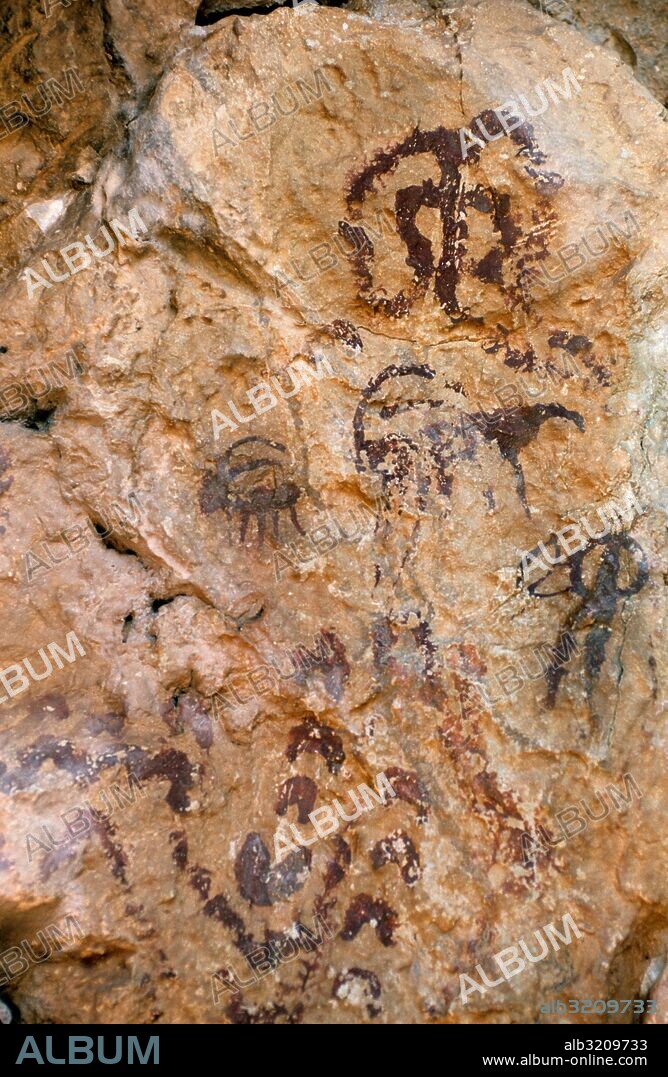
column 436, row 435
column 593, row 576
column 251, row 481
column 456, row 195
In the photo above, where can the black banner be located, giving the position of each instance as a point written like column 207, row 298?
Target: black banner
column 492, row 1047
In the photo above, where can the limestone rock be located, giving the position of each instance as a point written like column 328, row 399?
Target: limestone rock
column 635, row 31
column 333, row 351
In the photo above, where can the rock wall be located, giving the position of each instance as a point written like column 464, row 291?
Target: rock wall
column 332, row 387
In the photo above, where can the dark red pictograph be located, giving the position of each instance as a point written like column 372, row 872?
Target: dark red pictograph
column 458, row 192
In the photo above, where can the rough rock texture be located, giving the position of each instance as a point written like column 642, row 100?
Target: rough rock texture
column 452, row 414
column 637, row 32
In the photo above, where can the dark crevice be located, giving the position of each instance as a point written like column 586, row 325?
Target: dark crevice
column 37, row 417
column 116, row 61
column 40, row 419
column 112, row 542
column 95, row 959
column 211, row 11
column 249, row 618
column 192, row 592
column 158, row 602
column 127, row 626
